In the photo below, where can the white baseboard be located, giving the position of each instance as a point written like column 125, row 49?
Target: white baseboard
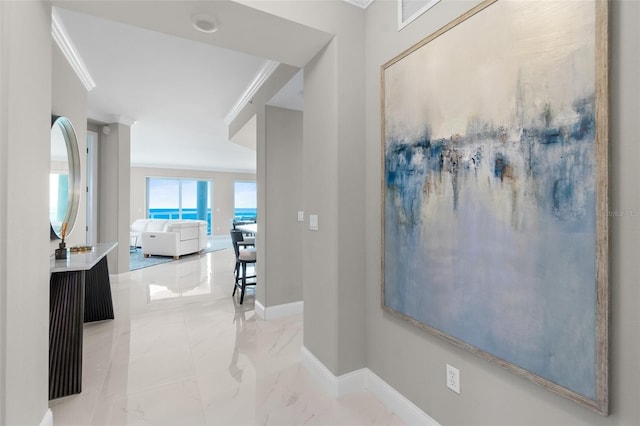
column 352, row 382
column 319, row 372
column 259, row 308
column 278, row 311
column 398, row 403
column 364, row 379
column 47, row 420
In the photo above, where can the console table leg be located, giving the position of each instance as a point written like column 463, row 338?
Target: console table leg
column 98, row 304
column 66, row 314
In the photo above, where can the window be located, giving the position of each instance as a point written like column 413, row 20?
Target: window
column 245, row 204
column 179, row 199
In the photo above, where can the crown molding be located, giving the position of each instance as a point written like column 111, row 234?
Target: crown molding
column 110, row 118
column 99, row 116
column 360, row 3
column 122, row 119
column 247, row 97
column 69, row 50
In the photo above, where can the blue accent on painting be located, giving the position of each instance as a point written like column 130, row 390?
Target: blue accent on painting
column 490, row 238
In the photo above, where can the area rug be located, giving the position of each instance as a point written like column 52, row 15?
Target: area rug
column 138, row 261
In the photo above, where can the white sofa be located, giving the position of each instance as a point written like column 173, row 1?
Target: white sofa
column 169, row 237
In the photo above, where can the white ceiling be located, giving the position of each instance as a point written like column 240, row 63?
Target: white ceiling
column 178, row 90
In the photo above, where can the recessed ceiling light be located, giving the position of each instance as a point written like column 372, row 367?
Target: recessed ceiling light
column 204, row 23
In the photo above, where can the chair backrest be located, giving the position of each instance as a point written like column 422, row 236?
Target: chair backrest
column 236, row 237
column 140, row 225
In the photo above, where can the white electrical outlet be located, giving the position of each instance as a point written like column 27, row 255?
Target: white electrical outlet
column 300, row 216
column 453, row 379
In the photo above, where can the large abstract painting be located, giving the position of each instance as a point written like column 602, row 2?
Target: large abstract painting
column 495, row 190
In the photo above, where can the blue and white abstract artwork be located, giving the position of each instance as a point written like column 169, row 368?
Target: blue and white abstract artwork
column 490, row 187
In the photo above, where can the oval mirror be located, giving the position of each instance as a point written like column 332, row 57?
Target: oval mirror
column 64, row 177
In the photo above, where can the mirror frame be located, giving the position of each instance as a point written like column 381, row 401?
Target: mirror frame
column 73, row 157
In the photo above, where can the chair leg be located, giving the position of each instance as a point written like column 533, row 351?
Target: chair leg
column 244, row 281
column 236, row 276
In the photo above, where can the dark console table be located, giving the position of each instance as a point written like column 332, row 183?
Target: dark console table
column 80, row 292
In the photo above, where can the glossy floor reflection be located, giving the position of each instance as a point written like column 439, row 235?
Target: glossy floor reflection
column 182, row 351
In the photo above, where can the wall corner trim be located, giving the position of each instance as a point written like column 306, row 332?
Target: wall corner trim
column 278, row 311
column 47, row 420
column 365, row 379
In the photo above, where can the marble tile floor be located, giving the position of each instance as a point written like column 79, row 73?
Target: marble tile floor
column 182, row 351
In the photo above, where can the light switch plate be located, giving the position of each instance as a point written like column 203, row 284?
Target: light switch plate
column 300, row 216
column 313, row 222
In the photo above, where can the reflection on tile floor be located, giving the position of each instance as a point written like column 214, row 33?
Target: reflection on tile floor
column 182, row 351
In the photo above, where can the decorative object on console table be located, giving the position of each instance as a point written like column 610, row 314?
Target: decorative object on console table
column 495, row 181
column 80, row 249
column 61, row 251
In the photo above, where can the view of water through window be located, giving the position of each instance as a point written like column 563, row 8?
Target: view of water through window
column 179, row 199
column 245, row 201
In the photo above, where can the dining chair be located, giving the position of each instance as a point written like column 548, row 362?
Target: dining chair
column 242, row 242
column 248, row 236
column 244, row 256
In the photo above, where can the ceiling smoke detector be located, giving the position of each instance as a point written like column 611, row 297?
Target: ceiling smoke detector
column 204, row 23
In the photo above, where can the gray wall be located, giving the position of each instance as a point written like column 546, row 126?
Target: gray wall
column 333, row 129
column 114, row 153
column 333, row 134
column 222, row 192
column 413, row 361
column 284, row 188
column 320, row 263
column 279, row 291
column 25, row 120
